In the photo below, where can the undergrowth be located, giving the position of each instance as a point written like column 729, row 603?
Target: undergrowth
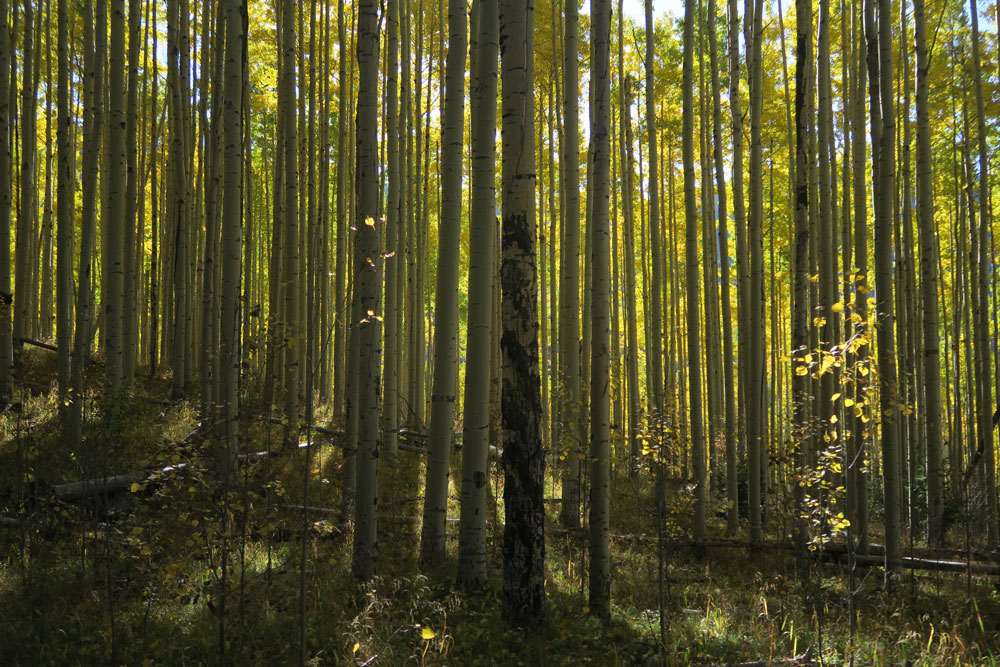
column 137, row 577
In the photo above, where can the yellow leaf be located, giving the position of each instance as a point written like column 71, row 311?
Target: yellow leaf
column 426, row 633
column 801, row 370
column 819, row 321
column 136, row 486
column 833, row 419
column 848, row 402
column 370, row 221
column 837, row 307
column 355, row 648
column 137, row 530
column 833, row 399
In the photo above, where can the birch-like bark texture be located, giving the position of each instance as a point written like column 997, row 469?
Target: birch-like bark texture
column 691, row 260
column 884, row 197
column 23, row 299
column 800, row 274
column 654, row 345
column 232, row 238
column 523, row 461
column 472, row 572
column 6, row 298
column 984, row 412
column 445, row 383
column 113, row 227
column 600, row 360
column 569, row 274
column 293, row 339
column 928, row 289
column 367, row 294
column 393, row 256
column 94, row 44
column 65, row 181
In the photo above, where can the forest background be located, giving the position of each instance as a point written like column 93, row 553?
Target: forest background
column 629, row 302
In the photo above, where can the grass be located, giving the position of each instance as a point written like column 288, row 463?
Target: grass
column 151, row 561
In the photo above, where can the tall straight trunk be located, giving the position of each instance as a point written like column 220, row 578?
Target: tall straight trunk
column 729, row 386
column 179, row 202
column 367, row 295
column 800, row 275
column 130, row 253
column 45, row 299
column 600, row 389
column 6, row 298
column 340, row 220
column 857, row 487
column 928, row 289
column 432, row 543
column 24, row 301
column 710, row 268
column 232, row 199
column 569, row 275
column 94, row 44
column 739, row 222
column 290, row 231
column 65, row 194
column 394, row 258
column 472, row 564
column 691, row 260
column 654, row 345
column 632, row 318
column 523, row 459
column 757, row 403
column 985, row 369
column 114, row 226
column 885, row 195
column 212, row 159
column 154, row 232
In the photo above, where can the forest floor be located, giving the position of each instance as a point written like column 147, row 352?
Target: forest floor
column 150, row 575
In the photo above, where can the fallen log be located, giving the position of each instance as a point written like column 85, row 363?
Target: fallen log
column 101, row 486
column 73, row 491
column 37, row 343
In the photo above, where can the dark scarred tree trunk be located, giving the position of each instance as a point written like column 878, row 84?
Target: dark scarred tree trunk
column 523, row 459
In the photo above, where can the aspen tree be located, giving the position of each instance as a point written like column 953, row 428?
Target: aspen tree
column 757, row 370
column 691, row 260
column 884, row 196
column 293, row 342
column 800, row 278
column 393, row 256
column 229, row 295
column 445, row 382
column 367, row 293
column 472, row 572
column 133, row 174
column 600, row 390
column 523, row 596
column 981, row 309
column 94, row 44
column 739, row 222
column 928, row 287
column 569, row 275
column 6, row 298
column 113, row 227
column 654, row 344
column 23, row 297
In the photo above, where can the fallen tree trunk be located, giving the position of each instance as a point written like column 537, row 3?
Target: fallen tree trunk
column 37, row 343
column 73, row 491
